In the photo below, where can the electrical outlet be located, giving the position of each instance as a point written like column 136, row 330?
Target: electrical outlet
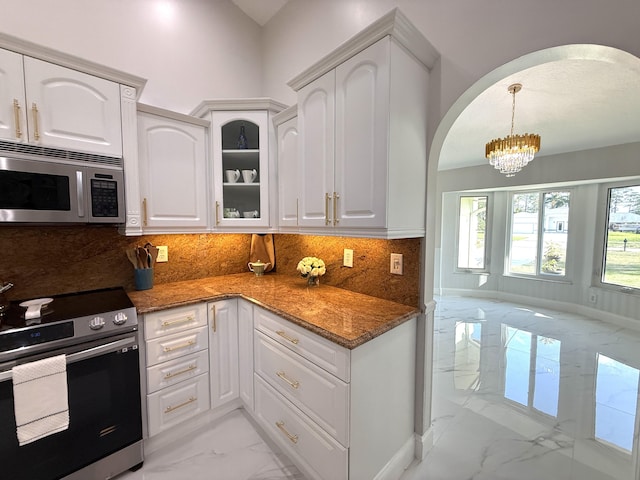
column 593, row 297
column 347, row 259
column 163, row 254
column 396, row 264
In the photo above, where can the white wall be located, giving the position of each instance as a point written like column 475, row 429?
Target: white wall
column 202, row 49
column 472, row 37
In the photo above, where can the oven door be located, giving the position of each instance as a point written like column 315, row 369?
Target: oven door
column 103, row 381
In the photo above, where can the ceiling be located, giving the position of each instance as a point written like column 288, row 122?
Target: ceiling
column 573, row 104
column 260, row 11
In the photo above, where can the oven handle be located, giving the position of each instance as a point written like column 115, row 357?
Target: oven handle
column 88, row 353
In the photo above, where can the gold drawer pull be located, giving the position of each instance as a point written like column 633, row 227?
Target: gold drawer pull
column 170, row 408
column 16, row 113
column 175, row 374
column 284, row 335
column 169, row 323
column 294, row 383
column 36, row 131
column 292, row 438
column 327, row 199
column 178, row 347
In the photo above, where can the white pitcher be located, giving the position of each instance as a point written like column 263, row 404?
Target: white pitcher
column 249, row 175
column 232, row 175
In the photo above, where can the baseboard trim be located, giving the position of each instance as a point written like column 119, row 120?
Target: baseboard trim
column 404, row 457
column 424, row 444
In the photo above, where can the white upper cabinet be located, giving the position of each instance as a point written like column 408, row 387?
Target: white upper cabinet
column 242, row 163
column 172, row 171
column 12, row 114
column 54, row 106
column 316, row 124
column 72, row 110
column 286, row 124
column 362, row 123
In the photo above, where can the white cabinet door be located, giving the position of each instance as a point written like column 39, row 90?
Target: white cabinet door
column 316, row 124
column 245, row 352
column 241, row 198
column 361, row 144
column 223, row 351
column 172, row 160
column 72, row 110
column 13, row 122
column 288, row 166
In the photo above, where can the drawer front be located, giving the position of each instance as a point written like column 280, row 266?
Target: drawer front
column 323, row 397
column 175, row 371
column 173, row 346
column 174, row 320
column 316, row 452
column 170, row 406
column 327, row 355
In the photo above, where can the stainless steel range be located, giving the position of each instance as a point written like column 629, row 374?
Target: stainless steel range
column 97, row 333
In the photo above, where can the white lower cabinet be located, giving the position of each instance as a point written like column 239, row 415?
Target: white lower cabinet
column 223, row 351
column 315, row 452
column 337, row 413
column 245, row 352
column 177, row 366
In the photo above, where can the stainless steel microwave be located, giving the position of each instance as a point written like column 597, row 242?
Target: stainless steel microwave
column 50, row 190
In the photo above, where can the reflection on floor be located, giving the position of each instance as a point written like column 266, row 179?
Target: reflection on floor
column 519, row 393
column 228, row 449
column 528, row 393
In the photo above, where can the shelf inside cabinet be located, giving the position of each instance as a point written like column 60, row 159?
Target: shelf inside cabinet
column 241, row 184
column 249, row 152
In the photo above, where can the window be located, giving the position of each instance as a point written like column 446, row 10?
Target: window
column 472, row 233
column 539, row 228
column 621, row 263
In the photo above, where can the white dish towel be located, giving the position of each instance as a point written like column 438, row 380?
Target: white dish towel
column 40, row 398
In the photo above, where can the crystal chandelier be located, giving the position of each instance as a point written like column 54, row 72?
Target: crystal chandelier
column 512, row 153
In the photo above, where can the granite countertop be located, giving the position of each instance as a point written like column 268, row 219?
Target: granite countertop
column 342, row 316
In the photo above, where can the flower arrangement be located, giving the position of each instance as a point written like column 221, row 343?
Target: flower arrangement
column 311, row 268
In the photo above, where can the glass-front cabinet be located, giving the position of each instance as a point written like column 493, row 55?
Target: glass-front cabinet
column 240, row 163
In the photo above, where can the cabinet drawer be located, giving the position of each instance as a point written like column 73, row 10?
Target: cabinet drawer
column 323, row 397
column 174, row 320
column 324, row 353
column 318, row 453
column 174, row 371
column 173, row 405
column 174, row 346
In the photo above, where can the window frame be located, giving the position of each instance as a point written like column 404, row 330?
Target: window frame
column 602, row 236
column 487, row 234
column 539, row 275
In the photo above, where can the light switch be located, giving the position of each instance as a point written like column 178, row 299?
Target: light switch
column 347, row 260
column 396, row 264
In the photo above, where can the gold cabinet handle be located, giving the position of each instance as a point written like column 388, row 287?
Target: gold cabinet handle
column 178, row 347
column 170, row 408
column 217, row 213
column 284, row 335
column 214, row 325
column 292, row 438
column 16, row 114
column 336, row 220
column 169, row 375
column 327, row 199
column 36, row 129
column 294, row 383
column 144, row 212
column 169, row 323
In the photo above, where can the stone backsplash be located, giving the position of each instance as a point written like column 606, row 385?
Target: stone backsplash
column 49, row 260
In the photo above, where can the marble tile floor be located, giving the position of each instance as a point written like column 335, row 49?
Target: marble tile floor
column 523, row 392
column 520, row 392
column 227, row 449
